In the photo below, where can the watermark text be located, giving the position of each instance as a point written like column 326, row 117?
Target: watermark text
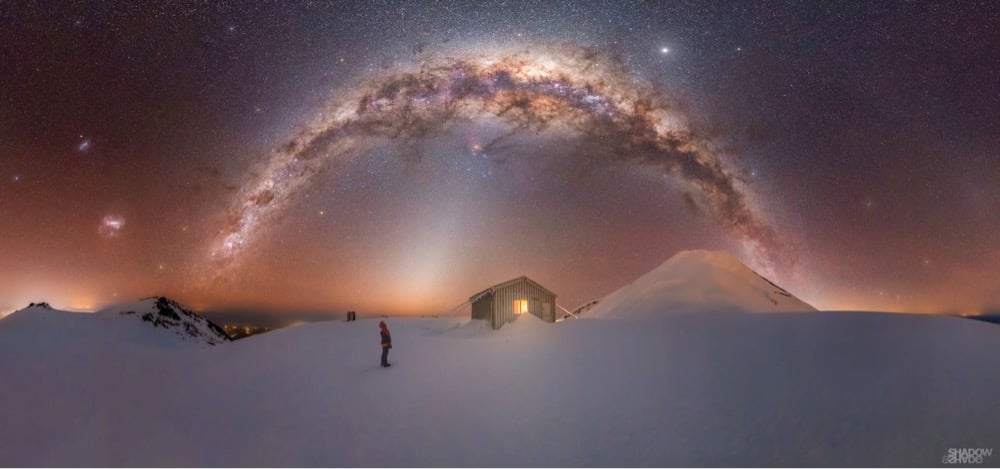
column 967, row 455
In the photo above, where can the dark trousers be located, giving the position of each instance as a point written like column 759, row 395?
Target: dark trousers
column 385, row 356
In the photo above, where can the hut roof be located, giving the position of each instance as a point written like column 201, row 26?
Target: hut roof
column 524, row 278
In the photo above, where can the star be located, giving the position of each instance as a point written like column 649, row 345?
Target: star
column 664, row 50
column 84, row 145
column 15, row 178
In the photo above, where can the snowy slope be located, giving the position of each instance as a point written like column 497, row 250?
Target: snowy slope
column 829, row 389
column 694, row 282
column 153, row 322
column 165, row 313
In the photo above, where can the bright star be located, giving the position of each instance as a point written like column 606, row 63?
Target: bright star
column 84, row 145
column 665, row 50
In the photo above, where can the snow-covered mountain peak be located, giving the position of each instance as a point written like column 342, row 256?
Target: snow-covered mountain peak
column 702, row 258
column 34, row 311
column 166, row 313
column 698, row 281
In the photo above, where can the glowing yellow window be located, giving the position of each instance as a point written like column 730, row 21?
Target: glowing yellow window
column 520, row 306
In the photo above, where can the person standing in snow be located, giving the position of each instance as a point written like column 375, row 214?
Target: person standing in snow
column 386, row 343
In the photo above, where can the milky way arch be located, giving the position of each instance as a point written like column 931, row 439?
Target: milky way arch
column 559, row 89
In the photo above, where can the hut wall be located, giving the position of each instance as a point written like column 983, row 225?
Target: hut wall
column 482, row 308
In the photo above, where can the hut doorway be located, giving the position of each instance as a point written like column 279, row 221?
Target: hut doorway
column 520, row 307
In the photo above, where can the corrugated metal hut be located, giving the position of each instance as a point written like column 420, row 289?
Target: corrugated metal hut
column 504, row 302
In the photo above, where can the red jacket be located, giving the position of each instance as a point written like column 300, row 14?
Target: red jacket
column 386, row 337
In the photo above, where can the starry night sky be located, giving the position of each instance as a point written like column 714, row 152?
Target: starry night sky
column 849, row 152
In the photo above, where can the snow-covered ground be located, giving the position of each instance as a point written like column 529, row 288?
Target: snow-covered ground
column 675, row 389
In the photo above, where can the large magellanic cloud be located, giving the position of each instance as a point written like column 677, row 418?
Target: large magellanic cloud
column 564, row 89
